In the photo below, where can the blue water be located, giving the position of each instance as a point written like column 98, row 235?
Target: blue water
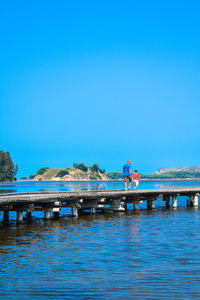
column 135, row 255
column 52, row 186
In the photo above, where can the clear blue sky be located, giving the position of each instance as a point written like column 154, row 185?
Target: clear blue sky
column 100, row 81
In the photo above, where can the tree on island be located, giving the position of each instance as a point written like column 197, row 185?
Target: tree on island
column 95, row 168
column 81, row 167
column 8, row 170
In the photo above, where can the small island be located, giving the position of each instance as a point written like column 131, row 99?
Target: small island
column 79, row 172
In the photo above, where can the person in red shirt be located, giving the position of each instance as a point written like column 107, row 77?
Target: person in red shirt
column 136, row 179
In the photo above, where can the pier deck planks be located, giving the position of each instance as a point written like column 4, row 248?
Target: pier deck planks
column 52, row 196
column 78, row 201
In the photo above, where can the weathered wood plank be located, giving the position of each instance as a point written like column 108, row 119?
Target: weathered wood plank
column 76, row 198
column 94, row 194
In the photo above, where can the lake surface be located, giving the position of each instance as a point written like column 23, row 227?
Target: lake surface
column 64, row 186
column 135, row 255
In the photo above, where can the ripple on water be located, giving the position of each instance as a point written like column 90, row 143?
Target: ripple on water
column 153, row 255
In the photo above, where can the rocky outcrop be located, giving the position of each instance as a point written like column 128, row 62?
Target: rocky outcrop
column 175, row 169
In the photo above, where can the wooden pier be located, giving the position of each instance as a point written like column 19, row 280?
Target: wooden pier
column 93, row 201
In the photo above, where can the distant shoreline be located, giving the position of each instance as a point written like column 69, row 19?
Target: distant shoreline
column 113, row 180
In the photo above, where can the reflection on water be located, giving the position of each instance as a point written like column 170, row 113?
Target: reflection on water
column 147, row 254
column 177, row 184
column 2, row 191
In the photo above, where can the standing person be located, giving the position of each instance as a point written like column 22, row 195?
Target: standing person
column 127, row 174
column 136, row 179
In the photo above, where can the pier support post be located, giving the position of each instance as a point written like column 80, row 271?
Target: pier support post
column 196, row 198
column 167, row 202
column 117, row 205
column 5, row 216
column 93, row 210
column 28, row 216
column 125, row 206
column 75, row 212
column 56, row 211
column 47, row 215
column 56, row 215
column 124, row 203
column 191, row 201
column 121, row 208
column 19, row 216
column 136, row 207
column 150, row 204
column 167, row 199
column 174, row 201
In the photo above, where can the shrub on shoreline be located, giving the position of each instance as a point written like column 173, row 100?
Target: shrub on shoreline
column 62, row 173
column 42, row 171
column 81, row 167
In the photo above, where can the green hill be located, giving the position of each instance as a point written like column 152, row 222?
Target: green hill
column 170, row 175
column 79, row 172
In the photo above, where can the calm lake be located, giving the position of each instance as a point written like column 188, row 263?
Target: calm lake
column 136, row 255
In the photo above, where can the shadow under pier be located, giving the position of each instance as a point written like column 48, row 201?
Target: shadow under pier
column 89, row 201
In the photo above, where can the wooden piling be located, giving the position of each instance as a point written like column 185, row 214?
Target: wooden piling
column 196, row 200
column 47, row 215
column 56, row 211
column 5, row 216
column 19, row 216
column 174, row 201
column 75, row 212
column 150, row 204
column 153, row 204
column 116, row 205
column 124, row 203
column 191, row 201
column 56, row 215
column 166, row 198
column 28, row 216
